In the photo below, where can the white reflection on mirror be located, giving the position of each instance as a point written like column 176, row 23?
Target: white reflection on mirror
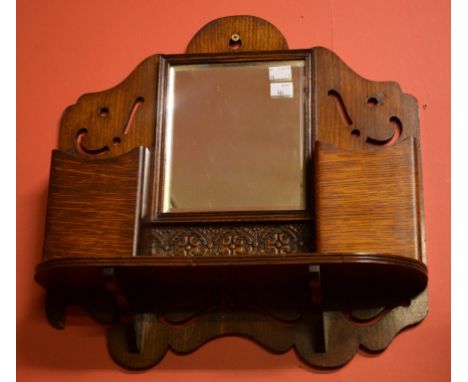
column 234, row 137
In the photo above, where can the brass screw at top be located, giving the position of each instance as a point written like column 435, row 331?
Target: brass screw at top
column 235, row 37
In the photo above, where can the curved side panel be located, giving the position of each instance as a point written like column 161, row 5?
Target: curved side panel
column 94, row 207
column 115, row 121
column 368, row 174
column 368, row 201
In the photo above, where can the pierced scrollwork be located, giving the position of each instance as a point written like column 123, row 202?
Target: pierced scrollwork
column 356, row 130
column 82, row 135
column 232, row 240
column 354, row 113
column 115, row 121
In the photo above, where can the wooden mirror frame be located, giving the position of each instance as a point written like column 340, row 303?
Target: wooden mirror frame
column 349, row 272
column 160, row 165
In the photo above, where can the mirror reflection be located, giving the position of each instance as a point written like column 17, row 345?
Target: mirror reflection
column 234, row 137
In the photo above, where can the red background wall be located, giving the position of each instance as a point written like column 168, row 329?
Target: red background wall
column 67, row 48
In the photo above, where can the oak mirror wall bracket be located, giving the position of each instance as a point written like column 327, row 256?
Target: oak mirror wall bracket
column 241, row 188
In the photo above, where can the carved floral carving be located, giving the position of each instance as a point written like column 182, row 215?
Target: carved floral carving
column 257, row 239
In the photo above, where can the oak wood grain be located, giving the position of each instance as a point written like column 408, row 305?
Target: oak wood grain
column 368, row 201
column 94, row 207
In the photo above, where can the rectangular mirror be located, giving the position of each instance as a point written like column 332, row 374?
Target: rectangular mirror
column 234, row 137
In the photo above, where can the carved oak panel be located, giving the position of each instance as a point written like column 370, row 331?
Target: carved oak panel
column 230, row 240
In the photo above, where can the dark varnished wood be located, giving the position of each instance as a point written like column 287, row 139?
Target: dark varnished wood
column 344, row 336
column 347, row 272
column 392, row 271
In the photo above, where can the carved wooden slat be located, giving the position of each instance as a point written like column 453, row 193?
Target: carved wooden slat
column 358, row 114
column 254, row 34
column 344, row 336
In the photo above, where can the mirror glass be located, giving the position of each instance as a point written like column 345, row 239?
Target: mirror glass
column 234, row 137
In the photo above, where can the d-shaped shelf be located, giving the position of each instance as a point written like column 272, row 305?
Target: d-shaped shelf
column 345, row 267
